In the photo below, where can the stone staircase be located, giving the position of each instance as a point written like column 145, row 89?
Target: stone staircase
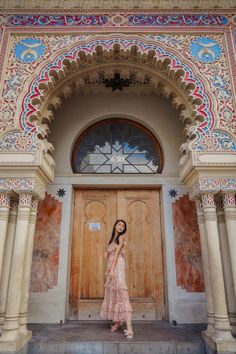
column 156, row 337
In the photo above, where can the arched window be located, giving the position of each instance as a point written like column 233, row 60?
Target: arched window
column 117, row 146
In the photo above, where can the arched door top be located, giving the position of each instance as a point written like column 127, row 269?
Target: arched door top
column 117, row 146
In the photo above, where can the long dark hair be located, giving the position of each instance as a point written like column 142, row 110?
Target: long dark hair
column 114, row 232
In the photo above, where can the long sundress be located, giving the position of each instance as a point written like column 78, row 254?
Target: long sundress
column 116, row 305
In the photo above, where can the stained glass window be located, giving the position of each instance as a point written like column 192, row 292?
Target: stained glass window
column 117, row 146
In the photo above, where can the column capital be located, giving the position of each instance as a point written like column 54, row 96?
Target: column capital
column 5, row 199
column 229, row 200
column 25, row 200
column 208, row 200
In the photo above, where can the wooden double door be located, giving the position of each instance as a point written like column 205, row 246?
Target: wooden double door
column 95, row 212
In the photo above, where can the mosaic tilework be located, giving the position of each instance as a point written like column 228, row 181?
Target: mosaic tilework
column 57, row 20
column 205, row 49
column 188, row 259
column 132, row 20
column 28, row 50
column 204, row 63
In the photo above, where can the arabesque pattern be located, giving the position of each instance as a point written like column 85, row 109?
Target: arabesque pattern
column 202, row 73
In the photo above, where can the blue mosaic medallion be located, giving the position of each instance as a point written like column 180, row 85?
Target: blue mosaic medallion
column 29, row 50
column 205, row 49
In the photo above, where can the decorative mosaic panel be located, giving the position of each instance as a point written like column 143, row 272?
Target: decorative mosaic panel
column 188, row 259
column 46, row 245
column 204, row 63
column 107, row 20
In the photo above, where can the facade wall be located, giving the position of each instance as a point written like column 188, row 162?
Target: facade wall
column 181, row 37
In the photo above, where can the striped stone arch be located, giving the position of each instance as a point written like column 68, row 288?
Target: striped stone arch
column 171, row 73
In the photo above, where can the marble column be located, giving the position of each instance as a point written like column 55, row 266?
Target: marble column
column 11, row 323
column 23, row 318
column 230, row 219
column 222, row 324
column 4, row 216
column 7, row 258
column 206, row 268
column 225, row 256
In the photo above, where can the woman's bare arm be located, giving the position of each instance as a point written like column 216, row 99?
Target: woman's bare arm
column 118, row 250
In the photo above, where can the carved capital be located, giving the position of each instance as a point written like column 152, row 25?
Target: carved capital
column 208, row 201
column 25, row 200
column 229, row 200
column 5, row 200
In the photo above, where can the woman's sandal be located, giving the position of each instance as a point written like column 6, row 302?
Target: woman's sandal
column 116, row 327
column 128, row 334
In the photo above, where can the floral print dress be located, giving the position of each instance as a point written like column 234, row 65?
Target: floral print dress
column 116, row 305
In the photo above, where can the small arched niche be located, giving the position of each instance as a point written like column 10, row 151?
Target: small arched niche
column 117, row 146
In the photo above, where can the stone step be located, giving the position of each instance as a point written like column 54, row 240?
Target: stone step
column 157, row 337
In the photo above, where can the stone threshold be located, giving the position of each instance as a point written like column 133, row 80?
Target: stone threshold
column 81, row 337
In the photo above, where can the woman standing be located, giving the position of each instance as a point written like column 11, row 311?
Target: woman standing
column 116, row 305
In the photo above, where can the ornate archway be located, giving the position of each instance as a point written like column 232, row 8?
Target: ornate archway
column 170, row 74
column 195, row 87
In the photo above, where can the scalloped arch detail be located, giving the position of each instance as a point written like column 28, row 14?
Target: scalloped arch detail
column 171, row 76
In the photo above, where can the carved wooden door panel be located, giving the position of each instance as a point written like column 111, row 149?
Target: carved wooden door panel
column 94, row 215
column 95, row 212
column 141, row 210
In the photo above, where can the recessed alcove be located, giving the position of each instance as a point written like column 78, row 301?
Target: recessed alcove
column 79, row 112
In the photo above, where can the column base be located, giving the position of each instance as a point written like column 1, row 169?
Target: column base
column 16, row 345
column 218, row 345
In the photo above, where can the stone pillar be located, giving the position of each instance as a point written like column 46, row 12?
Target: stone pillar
column 230, row 219
column 222, row 324
column 7, row 259
column 206, row 268
column 11, row 322
column 225, row 256
column 4, row 215
column 27, row 270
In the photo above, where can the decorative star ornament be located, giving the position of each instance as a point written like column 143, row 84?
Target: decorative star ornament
column 61, row 192
column 173, row 193
column 116, row 159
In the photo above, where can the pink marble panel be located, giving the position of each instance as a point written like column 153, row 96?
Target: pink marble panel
column 188, row 257
column 45, row 263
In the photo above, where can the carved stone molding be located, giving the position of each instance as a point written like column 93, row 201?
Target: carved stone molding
column 212, row 185
column 87, row 72
column 117, row 4
column 18, row 185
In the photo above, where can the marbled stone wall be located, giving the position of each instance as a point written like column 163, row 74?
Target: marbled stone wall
column 45, row 263
column 189, row 271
